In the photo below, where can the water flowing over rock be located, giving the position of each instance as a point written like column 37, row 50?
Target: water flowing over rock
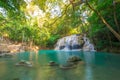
column 74, row 42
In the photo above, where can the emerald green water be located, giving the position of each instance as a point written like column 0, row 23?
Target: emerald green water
column 96, row 66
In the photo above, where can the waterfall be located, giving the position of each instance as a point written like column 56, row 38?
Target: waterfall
column 74, row 42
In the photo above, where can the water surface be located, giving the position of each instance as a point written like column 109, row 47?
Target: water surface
column 96, row 66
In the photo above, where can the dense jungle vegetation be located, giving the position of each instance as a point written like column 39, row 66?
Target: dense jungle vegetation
column 45, row 21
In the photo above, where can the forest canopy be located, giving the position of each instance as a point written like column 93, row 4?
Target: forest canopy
column 45, row 21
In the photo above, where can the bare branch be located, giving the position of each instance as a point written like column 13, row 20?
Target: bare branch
column 60, row 16
column 78, row 3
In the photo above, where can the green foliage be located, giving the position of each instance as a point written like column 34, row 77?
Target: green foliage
column 103, row 37
column 52, row 40
column 21, row 24
column 40, row 3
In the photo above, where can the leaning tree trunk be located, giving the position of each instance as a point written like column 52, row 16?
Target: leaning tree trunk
column 115, row 16
column 117, row 35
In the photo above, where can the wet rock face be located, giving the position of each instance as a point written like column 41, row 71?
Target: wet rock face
column 74, row 42
column 61, row 47
column 69, row 47
column 77, row 34
column 77, row 46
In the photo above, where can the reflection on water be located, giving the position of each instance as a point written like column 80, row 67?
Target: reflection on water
column 97, row 66
column 89, row 58
column 64, row 55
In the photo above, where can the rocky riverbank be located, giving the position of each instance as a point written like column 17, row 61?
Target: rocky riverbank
column 111, row 50
column 13, row 47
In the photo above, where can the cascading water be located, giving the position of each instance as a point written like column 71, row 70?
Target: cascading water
column 74, row 42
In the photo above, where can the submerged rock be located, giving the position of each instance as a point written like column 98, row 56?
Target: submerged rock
column 16, row 79
column 74, row 59
column 8, row 55
column 52, row 63
column 24, row 63
column 67, row 66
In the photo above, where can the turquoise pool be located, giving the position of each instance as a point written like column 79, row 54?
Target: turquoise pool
column 96, row 66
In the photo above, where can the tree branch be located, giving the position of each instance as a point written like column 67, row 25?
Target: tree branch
column 115, row 16
column 78, row 3
column 117, row 35
column 60, row 16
